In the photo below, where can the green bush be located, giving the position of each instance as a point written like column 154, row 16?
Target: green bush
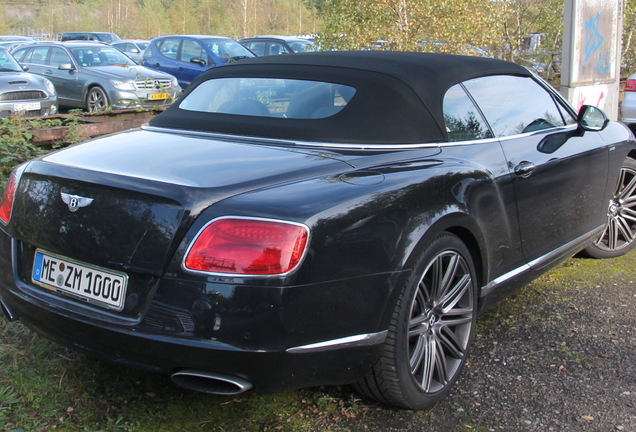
column 15, row 145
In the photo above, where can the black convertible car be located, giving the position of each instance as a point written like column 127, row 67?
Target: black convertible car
column 316, row 219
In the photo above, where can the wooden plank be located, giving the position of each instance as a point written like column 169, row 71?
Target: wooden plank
column 59, row 133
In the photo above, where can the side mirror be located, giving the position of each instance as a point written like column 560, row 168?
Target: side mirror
column 66, row 66
column 592, row 118
column 24, row 67
column 198, row 61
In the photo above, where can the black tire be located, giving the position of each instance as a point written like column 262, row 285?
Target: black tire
column 619, row 236
column 96, row 99
column 431, row 329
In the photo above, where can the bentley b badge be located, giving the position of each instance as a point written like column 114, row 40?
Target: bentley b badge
column 75, row 202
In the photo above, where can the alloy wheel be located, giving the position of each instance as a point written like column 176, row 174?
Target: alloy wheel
column 441, row 324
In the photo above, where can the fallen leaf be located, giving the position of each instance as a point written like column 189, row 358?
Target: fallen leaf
column 588, row 418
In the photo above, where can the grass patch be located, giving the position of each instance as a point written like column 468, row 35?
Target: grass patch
column 46, row 387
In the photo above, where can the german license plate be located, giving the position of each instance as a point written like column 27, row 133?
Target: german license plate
column 97, row 285
column 158, row 96
column 25, row 106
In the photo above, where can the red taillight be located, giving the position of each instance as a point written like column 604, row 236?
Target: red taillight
column 630, row 85
column 7, row 198
column 248, row 247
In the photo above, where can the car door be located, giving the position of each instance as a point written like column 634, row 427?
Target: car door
column 164, row 57
column 33, row 57
column 67, row 82
column 193, row 61
column 559, row 173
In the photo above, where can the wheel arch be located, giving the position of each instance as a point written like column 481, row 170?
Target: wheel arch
column 468, row 231
column 90, row 87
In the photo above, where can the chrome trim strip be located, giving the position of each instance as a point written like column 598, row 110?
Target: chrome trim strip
column 487, row 289
column 345, row 342
column 347, row 146
column 566, row 128
column 540, row 262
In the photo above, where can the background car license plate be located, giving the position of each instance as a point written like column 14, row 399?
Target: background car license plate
column 157, row 96
column 97, row 285
column 26, row 106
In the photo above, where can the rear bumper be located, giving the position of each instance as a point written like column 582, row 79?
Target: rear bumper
column 276, row 338
column 268, row 371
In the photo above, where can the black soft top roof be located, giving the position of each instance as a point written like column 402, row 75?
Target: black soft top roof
column 398, row 95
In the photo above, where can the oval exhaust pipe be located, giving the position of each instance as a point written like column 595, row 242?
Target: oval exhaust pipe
column 211, row 382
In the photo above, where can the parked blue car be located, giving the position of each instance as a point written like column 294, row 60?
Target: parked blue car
column 188, row 56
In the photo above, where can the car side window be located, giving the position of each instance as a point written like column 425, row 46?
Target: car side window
column 462, row 119
column 275, row 48
column 20, row 54
column 266, row 97
column 58, row 57
column 170, row 48
column 192, row 49
column 257, row 48
column 527, row 108
column 37, row 56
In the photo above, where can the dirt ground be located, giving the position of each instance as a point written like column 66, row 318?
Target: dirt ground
column 558, row 356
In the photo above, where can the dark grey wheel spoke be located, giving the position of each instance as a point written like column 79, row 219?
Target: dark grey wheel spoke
column 455, row 294
column 449, row 341
column 628, row 213
column 429, row 363
column 442, row 317
column 627, row 191
column 419, row 351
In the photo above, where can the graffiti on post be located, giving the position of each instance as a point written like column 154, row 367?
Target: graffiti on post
column 594, row 57
column 593, row 43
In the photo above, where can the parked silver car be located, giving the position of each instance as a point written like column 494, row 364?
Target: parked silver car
column 133, row 48
column 24, row 93
column 93, row 75
column 628, row 105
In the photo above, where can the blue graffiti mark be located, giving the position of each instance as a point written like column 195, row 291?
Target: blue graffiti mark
column 593, row 39
column 603, row 64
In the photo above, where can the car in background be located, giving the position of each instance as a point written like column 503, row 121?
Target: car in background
column 6, row 38
column 23, row 93
column 93, row 75
column 9, row 45
column 188, row 56
column 133, row 48
column 11, row 41
column 107, row 37
column 320, row 218
column 274, row 45
column 628, row 104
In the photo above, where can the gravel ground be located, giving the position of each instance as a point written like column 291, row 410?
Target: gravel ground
column 558, row 356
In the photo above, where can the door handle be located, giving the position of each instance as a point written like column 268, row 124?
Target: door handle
column 157, row 64
column 48, row 72
column 524, row 169
column 180, row 69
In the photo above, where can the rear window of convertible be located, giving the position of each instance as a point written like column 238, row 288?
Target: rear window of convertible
column 269, row 97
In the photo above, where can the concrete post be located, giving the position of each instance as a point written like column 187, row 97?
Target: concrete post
column 590, row 64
